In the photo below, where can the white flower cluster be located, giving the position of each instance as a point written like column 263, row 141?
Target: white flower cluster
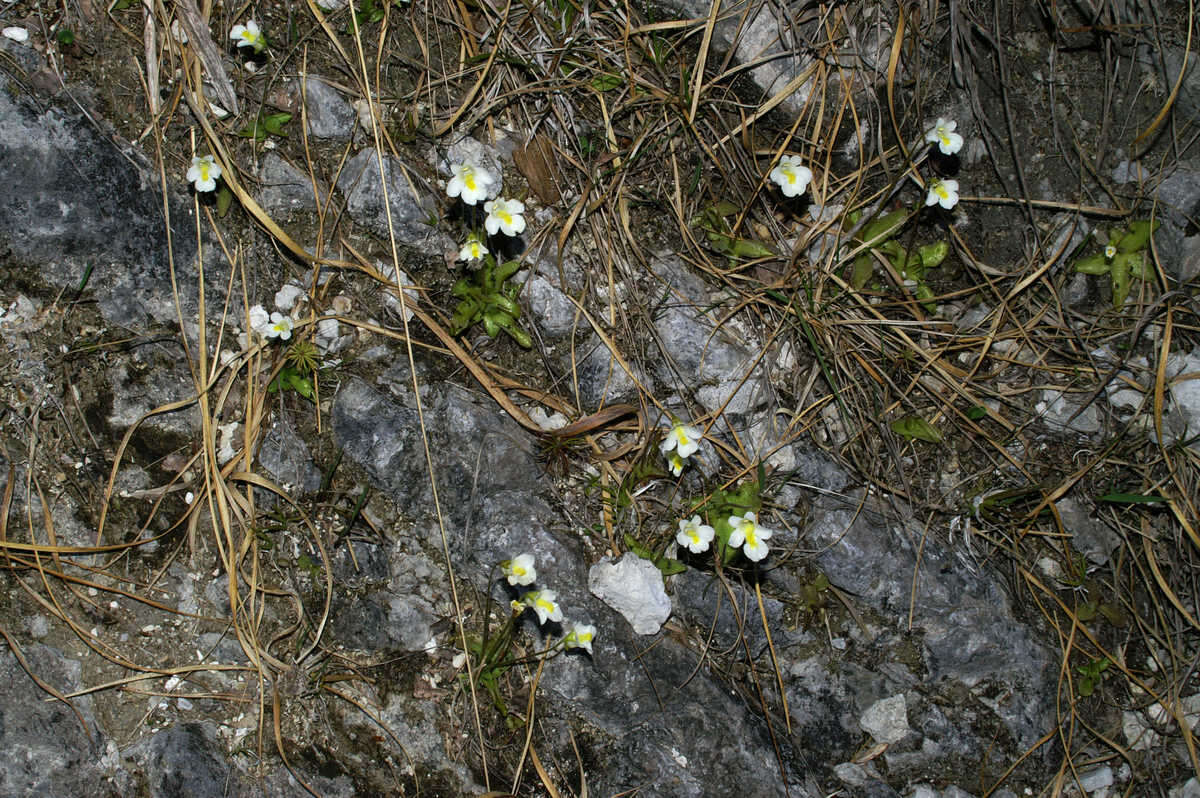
column 681, row 442
column 274, row 325
column 472, row 183
column 747, row 535
column 943, row 192
column 520, row 572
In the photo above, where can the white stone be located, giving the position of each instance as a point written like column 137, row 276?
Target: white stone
column 16, row 34
column 1189, row 789
column 633, row 587
column 1140, row 736
column 851, row 773
column 923, row 791
column 1099, row 779
column 886, row 720
column 285, row 298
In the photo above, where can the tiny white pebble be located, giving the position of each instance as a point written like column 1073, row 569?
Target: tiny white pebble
column 16, row 34
column 189, row 497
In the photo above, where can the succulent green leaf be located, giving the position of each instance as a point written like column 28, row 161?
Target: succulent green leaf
column 915, row 427
column 883, row 228
column 1094, row 264
column 1138, row 237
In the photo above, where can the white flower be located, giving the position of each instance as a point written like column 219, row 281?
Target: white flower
column 675, row 463
column 944, row 136
column 942, row 192
column 684, row 439
column 504, row 214
column 749, row 535
column 695, row 535
column 280, row 327
column 473, row 249
column 1110, row 252
column 204, row 173
column 249, row 35
column 519, row 570
column 260, row 320
column 543, row 603
column 580, row 636
column 470, row 182
column 791, row 175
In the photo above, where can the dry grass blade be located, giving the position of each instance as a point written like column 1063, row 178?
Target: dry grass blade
column 200, row 40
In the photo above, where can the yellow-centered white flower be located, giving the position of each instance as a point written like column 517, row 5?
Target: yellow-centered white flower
column 473, row 249
column 749, row 535
column 942, row 192
column 580, row 636
column 944, row 136
column 545, row 604
column 683, row 439
column 469, row 182
column 791, row 175
column 249, row 35
column 204, row 173
column 504, row 215
column 693, row 534
column 519, row 570
column 280, row 327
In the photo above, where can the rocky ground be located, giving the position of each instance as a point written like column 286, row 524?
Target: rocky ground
column 222, row 582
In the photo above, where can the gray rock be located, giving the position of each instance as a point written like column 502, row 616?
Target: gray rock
column 286, row 458
column 411, row 213
column 1096, row 779
column 478, row 450
column 816, row 469
column 1060, row 411
column 1187, row 102
column 1179, row 195
column 697, row 356
column 633, row 587
column 382, row 619
column 329, row 115
column 1089, row 535
column 183, row 760
column 1189, row 789
column 663, row 727
column 1182, row 419
column 74, row 199
column 154, row 377
column 703, row 602
column 1188, row 259
column 756, row 33
column 48, row 749
column 851, row 774
column 554, row 313
column 601, row 378
column 283, row 188
column 886, row 720
column 970, row 634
